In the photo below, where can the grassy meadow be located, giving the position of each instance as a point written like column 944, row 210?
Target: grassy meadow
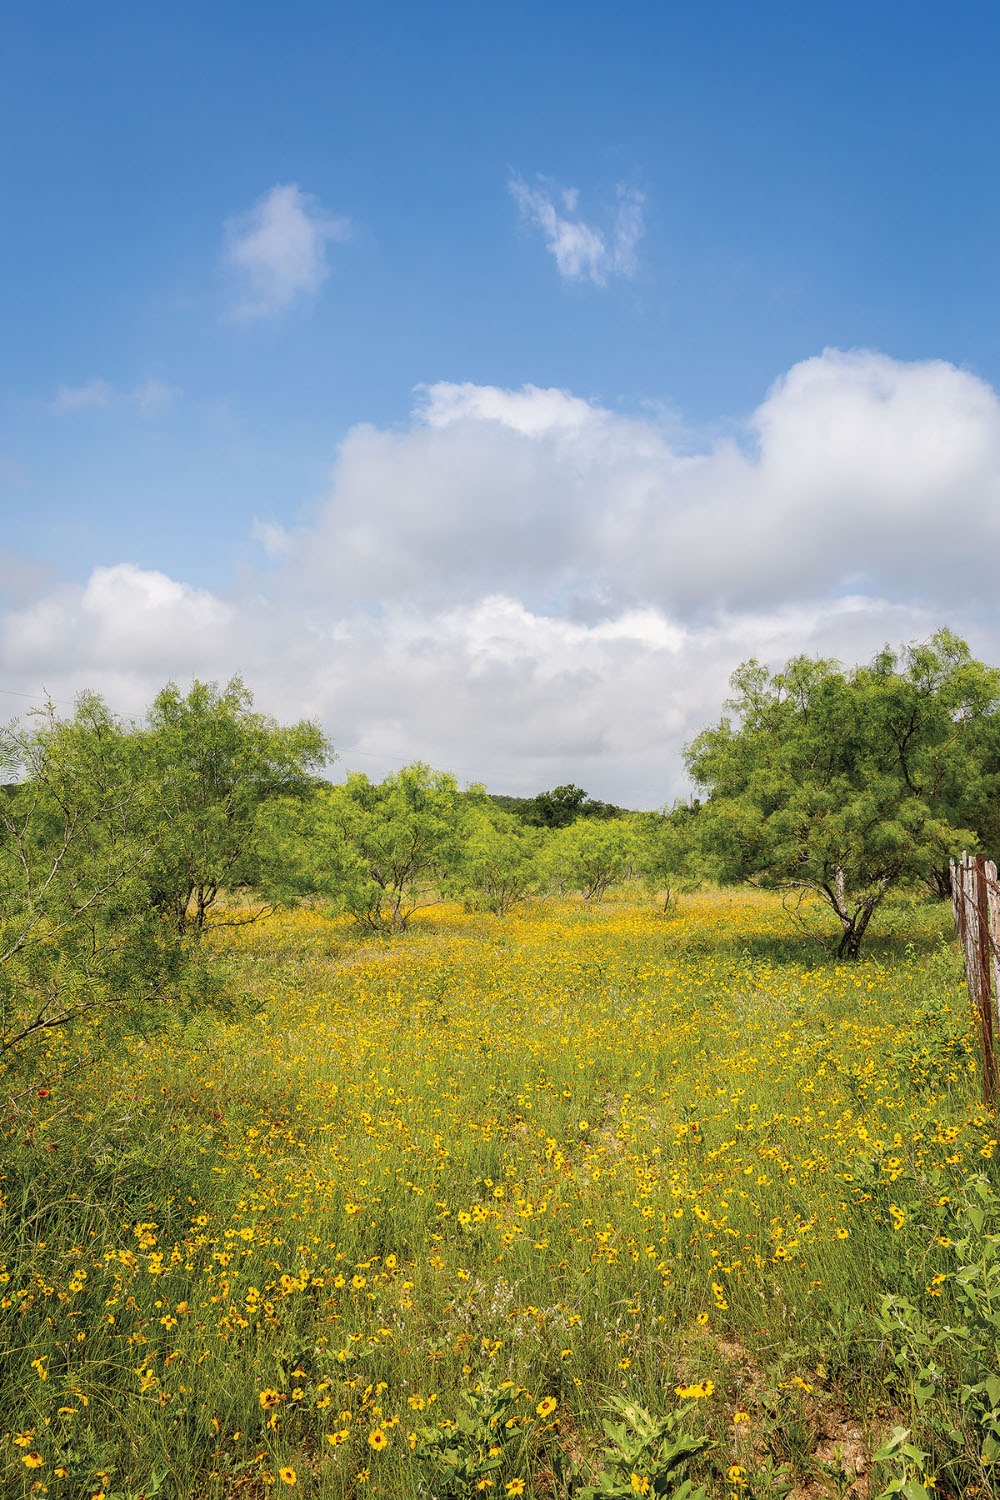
column 433, row 1209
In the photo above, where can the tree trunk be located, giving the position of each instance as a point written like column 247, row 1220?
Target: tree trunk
column 850, row 943
column 181, row 902
column 856, row 925
column 938, row 881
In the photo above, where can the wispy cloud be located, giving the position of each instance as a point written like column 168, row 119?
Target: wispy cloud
column 277, row 251
column 582, row 251
column 73, row 398
column 273, row 538
column 152, row 398
column 13, row 475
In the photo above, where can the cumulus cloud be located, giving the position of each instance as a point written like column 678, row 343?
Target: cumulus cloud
column 493, row 690
column 845, row 479
column 22, row 579
column 582, row 251
column 128, row 617
column 528, row 587
column 276, row 253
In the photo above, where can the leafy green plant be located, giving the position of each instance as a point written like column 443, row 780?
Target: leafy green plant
column 645, row 1455
column 951, row 1360
column 80, row 953
column 763, row 1481
column 936, row 1048
column 216, row 766
column 908, row 1460
column 483, row 1438
column 668, row 856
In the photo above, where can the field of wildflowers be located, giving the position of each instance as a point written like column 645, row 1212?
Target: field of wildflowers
column 583, row 1200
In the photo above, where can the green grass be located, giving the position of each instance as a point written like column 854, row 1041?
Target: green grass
column 581, row 1155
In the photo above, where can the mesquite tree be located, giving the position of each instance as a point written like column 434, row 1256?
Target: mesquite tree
column 844, row 783
column 591, row 855
column 669, row 856
column 218, row 766
column 80, row 950
column 377, row 850
column 500, row 863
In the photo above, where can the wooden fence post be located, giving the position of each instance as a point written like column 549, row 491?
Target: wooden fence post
column 984, row 963
column 976, row 905
column 993, row 954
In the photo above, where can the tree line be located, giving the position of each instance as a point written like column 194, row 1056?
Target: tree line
column 121, row 842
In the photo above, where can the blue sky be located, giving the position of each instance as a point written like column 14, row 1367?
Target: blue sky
column 239, row 238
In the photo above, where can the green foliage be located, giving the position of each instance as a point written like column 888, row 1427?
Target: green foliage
column 669, row 856
column 907, row 1460
column 500, row 864
column 104, row 830
column 217, row 766
column 644, row 1455
column 516, row 806
column 937, row 1047
column 563, row 805
column 475, row 1445
column 947, row 1354
column 590, row 856
column 970, row 791
column 842, row 783
column 377, row 850
column 77, row 940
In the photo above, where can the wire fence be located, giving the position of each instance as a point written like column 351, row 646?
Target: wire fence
column 975, row 900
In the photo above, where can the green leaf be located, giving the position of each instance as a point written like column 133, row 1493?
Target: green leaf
column 990, row 1449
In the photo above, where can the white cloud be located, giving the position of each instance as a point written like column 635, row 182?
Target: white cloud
column 69, row 398
column 22, row 579
column 492, row 690
column 530, row 411
column 582, row 252
column 277, row 251
column 850, row 476
column 152, row 398
column 126, row 617
column 530, row 588
column 629, row 229
column 273, row 538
